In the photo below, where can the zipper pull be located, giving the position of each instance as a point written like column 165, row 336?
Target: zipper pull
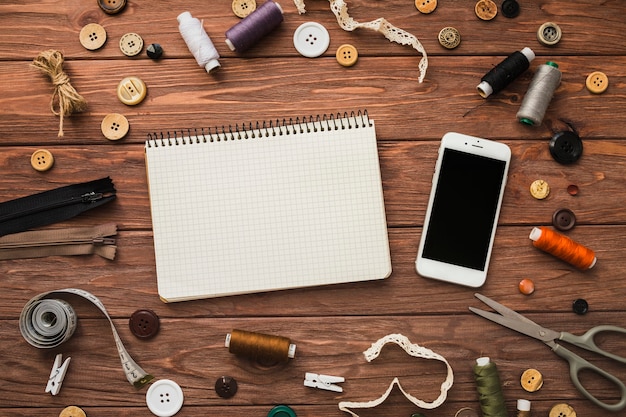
column 100, row 241
column 91, row 197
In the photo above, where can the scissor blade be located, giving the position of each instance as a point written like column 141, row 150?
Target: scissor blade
column 505, row 311
column 526, row 327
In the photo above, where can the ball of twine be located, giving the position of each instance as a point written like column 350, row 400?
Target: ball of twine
column 65, row 96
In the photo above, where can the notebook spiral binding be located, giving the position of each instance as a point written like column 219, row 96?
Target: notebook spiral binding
column 307, row 124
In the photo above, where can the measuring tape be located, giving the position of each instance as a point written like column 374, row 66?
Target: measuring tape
column 47, row 323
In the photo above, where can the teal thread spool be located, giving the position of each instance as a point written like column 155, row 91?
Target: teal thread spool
column 490, row 393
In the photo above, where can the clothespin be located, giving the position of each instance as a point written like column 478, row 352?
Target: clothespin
column 57, row 374
column 326, row 382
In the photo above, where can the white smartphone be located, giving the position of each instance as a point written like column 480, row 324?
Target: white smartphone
column 463, row 209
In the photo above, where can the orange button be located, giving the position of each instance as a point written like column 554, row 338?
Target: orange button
column 347, row 55
column 486, row 9
column 72, row 411
column 531, row 380
column 426, row 6
column 42, row 160
column 131, row 91
column 562, row 410
column 597, row 82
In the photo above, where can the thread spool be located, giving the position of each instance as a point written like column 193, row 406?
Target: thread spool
column 198, row 42
column 563, row 248
column 490, row 393
column 262, row 348
column 255, row 26
column 542, row 87
column 523, row 408
column 506, row 71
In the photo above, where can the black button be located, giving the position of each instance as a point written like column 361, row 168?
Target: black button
column 112, row 6
column 563, row 219
column 226, row 386
column 566, row 147
column 154, row 51
column 510, row 8
column 580, row 306
column 144, row 324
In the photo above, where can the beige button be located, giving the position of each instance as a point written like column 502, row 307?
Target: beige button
column 243, row 8
column 131, row 44
column 531, row 380
column 114, row 126
column 347, row 55
column 92, row 36
column 131, row 91
column 449, row 37
column 539, row 189
column 42, row 160
column 72, row 411
column 466, row 412
column 426, row 6
column 597, row 82
column 562, row 410
column 486, row 9
column 549, row 33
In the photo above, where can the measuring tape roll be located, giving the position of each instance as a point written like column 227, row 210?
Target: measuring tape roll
column 47, row 323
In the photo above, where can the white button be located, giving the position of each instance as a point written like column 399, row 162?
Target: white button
column 164, row 398
column 311, row 39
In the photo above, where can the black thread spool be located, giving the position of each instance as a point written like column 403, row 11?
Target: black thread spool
column 505, row 72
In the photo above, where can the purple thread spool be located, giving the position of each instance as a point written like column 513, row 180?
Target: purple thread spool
column 254, row 26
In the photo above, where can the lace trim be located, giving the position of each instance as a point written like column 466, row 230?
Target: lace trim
column 414, row 350
column 380, row 25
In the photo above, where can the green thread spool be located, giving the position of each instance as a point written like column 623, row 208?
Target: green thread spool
column 489, row 388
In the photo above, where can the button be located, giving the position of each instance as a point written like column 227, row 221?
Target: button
column 281, row 411
column 566, row 147
column 42, row 160
column 486, row 9
column 531, row 380
column 572, row 189
column 526, row 286
column 114, row 126
column 131, row 91
column 144, row 324
column 347, row 55
column 311, row 39
column 563, row 219
column 112, row 6
column 549, row 34
column 539, row 189
column 226, row 387
column 92, row 36
column 562, row 410
column 426, row 6
column 72, row 411
column 510, row 8
column 449, row 37
column 597, row 82
column 418, row 415
column 164, row 398
column 466, row 412
column 580, row 306
column 154, row 51
column 131, row 44
column 243, row 8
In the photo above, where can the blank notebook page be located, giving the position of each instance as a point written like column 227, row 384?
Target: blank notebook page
column 279, row 210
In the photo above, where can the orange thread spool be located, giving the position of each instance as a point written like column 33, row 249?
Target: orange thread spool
column 263, row 348
column 563, row 248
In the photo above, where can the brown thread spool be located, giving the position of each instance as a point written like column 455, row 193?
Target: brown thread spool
column 563, row 248
column 523, row 408
column 262, row 348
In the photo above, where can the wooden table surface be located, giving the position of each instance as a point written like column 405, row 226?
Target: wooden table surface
column 333, row 325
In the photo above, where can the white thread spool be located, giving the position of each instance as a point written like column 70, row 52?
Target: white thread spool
column 540, row 92
column 198, row 42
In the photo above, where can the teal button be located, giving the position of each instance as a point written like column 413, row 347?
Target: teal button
column 281, row 411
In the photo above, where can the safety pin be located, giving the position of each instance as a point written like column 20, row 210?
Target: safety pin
column 57, row 374
column 325, row 382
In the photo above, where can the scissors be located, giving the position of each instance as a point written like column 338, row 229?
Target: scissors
column 517, row 322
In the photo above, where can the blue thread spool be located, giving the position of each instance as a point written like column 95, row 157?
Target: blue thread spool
column 253, row 27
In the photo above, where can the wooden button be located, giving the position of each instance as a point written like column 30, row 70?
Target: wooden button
column 347, row 55
column 426, row 6
column 449, row 37
column 131, row 44
column 564, row 219
column 539, row 189
column 92, row 36
column 466, row 412
column 597, row 82
column 562, row 410
column 42, row 160
column 243, row 8
column 114, row 126
column 131, row 91
column 486, row 9
column 112, row 6
column 72, row 411
column 531, row 380
column 549, row 34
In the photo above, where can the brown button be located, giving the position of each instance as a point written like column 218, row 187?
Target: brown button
column 562, row 410
column 131, row 44
column 131, row 91
column 347, row 55
column 563, row 219
column 112, row 6
column 226, row 387
column 466, row 412
column 92, row 36
column 426, row 6
column 486, row 9
column 72, row 411
column 42, row 160
column 144, row 323
column 243, row 8
column 572, row 189
column 449, row 37
column 114, row 126
column 597, row 82
column 531, row 380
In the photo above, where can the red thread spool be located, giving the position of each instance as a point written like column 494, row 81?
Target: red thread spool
column 563, row 248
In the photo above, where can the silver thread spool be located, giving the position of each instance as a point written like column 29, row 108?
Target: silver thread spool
column 539, row 94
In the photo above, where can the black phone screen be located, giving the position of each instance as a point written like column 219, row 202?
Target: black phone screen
column 464, row 209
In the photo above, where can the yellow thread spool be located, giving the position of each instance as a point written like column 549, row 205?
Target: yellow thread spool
column 260, row 347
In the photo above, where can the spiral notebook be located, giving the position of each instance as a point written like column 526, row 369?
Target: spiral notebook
column 267, row 207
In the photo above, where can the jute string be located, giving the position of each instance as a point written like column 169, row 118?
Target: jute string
column 50, row 62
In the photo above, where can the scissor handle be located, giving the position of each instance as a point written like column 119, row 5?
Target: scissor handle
column 586, row 341
column 577, row 364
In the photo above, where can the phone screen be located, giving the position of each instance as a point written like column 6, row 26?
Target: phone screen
column 464, row 209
